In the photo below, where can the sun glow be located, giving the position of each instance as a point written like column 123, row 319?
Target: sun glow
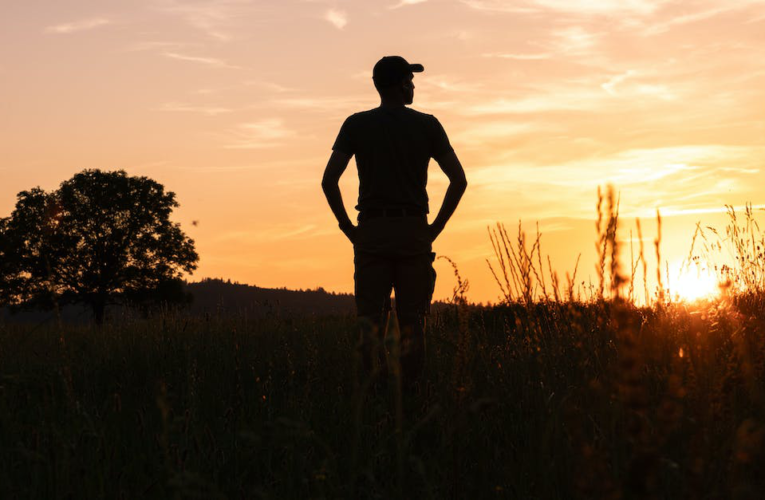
column 693, row 285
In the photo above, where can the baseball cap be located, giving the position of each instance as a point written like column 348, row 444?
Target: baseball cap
column 392, row 69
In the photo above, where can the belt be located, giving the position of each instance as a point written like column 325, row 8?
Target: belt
column 372, row 213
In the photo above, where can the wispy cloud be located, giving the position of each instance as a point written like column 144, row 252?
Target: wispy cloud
column 276, row 232
column 214, row 18
column 268, row 86
column 337, row 18
column 81, row 25
column 449, row 84
column 266, row 133
column 612, row 83
column 156, row 45
column 672, row 177
column 324, row 104
column 183, row 107
column 661, row 27
column 518, row 57
column 575, row 40
column 147, row 166
column 499, row 6
column 627, row 84
column 586, row 7
column 487, row 131
column 533, row 104
column 404, row 3
column 208, row 61
column 639, row 7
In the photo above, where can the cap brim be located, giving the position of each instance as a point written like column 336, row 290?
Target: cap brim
column 416, row 68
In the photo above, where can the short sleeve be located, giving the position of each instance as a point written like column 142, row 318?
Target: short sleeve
column 345, row 142
column 439, row 141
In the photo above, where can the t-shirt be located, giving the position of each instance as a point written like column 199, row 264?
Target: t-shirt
column 393, row 147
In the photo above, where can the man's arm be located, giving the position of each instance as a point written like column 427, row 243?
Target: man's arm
column 336, row 165
column 452, row 167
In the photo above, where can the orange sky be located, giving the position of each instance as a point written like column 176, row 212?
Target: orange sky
column 234, row 105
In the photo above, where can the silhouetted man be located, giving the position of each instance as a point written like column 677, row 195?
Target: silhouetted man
column 393, row 145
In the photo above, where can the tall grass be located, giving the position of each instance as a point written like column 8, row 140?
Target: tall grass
column 553, row 394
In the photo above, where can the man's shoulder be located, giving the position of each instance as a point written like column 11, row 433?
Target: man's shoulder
column 425, row 119
column 360, row 119
column 376, row 112
column 419, row 114
column 369, row 117
column 366, row 114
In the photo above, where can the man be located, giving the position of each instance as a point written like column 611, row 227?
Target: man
column 393, row 145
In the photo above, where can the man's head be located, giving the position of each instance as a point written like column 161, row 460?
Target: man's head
column 393, row 75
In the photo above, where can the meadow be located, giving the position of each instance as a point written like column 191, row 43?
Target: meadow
column 552, row 394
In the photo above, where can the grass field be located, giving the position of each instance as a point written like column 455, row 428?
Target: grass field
column 553, row 394
column 551, row 400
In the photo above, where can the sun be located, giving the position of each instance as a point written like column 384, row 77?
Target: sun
column 693, row 285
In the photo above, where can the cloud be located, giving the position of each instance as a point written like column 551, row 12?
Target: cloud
column 498, row 6
column 448, row 84
column 404, row 3
column 534, row 104
column 205, row 110
column 675, row 177
column 575, row 40
column 518, row 57
column 633, row 88
column 610, row 85
column 661, row 27
column 212, row 17
column 337, row 18
column 266, row 133
column 208, row 61
column 583, row 7
column 484, row 132
column 656, row 28
column 82, row 25
column 264, row 85
column 270, row 86
column 638, row 7
column 324, row 104
column 152, row 45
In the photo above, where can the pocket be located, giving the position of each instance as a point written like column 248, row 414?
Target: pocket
column 358, row 234
column 433, row 276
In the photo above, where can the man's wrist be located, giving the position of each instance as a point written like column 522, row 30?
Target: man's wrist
column 346, row 225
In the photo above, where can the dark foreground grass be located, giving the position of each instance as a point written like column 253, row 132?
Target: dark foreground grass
column 547, row 401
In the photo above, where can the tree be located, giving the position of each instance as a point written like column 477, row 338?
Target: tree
column 100, row 238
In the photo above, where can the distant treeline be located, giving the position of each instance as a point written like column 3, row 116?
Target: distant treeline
column 215, row 297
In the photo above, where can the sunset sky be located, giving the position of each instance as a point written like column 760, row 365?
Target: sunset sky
column 234, row 106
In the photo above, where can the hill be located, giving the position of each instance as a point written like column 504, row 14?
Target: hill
column 217, row 297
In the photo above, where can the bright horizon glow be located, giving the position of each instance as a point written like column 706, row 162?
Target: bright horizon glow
column 234, row 106
column 692, row 285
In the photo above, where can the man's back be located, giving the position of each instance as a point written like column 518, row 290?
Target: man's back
column 393, row 146
column 392, row 242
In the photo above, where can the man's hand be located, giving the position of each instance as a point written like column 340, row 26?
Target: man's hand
column 452, row 167
column 434, row 231
column 350, row 232
column 330, row 184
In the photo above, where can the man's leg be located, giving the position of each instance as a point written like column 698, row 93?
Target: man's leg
column 414, row 280
column 373, row 284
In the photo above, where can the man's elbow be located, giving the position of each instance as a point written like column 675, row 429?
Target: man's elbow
column 460, row 183
column 328, row 183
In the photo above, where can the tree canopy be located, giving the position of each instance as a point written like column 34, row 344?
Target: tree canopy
column 102, row 237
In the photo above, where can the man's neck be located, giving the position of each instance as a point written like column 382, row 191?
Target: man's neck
column 390, row 104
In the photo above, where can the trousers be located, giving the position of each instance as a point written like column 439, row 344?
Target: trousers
column 393, row 254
